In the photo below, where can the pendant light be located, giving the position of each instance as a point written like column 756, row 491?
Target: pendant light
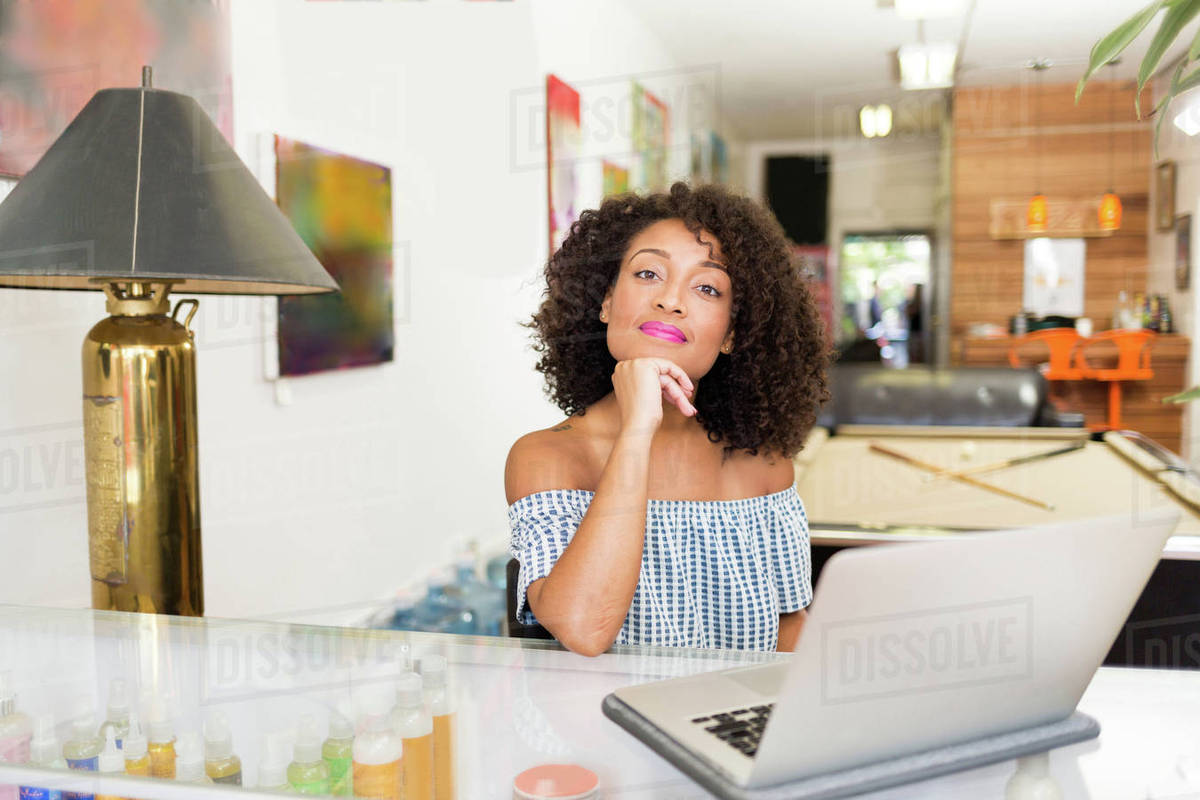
column 1109, row 213
column 1037, row 214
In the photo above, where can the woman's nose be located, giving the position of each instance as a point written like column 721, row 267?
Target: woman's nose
column 668, row 300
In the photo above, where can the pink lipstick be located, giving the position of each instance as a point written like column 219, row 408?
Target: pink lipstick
column 661, row 330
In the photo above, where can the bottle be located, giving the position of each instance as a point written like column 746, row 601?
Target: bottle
column 338, row 753
column 111, row 761
column 117, row 717
column 308, row 773
column 1165, row 324
column 44, row 753
column 437, row 698
column 82, row 750
column 220, row 764
column 16, row 732
column 414, row 726
column 486, row 603
column 272, row 764
column 137, row 755
column 1121, row 311
column 162, row 743
column 377, row 750
column 189, row 759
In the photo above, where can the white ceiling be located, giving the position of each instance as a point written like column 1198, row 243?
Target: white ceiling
column 785, row 63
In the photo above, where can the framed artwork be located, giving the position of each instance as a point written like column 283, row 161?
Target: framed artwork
column 564, row 145
column 650, row 136
column 616, row 179
column 57, row 55
column 1164, row 195
column 1054, row 276
column 342, row 209
column 1183, row 251
column 719, row 167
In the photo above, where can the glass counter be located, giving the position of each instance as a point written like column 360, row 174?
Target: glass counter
column 518, row 703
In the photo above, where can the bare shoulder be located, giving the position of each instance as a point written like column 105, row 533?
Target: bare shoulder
column 541, row 460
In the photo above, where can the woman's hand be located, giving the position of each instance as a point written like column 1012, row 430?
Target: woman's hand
column 643, row 384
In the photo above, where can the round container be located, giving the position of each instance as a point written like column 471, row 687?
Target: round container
column 558, row 781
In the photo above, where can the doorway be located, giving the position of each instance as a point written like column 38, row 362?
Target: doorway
column 885, row 291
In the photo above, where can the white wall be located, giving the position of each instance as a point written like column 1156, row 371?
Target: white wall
column 370, row 477
column 1174, row 145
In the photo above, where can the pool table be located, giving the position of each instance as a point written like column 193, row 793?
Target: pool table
column 855, row 495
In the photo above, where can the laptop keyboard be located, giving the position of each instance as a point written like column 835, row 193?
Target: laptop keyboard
column 740, row 729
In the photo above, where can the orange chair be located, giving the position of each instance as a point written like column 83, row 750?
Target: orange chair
column 1061, row 343
column 1133, row 364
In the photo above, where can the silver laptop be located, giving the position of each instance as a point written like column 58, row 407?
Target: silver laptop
column 915, row 646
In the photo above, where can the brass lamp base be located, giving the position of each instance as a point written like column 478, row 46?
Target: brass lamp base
column 139, row 424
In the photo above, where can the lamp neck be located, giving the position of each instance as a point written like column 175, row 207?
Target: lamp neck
column 137, row 299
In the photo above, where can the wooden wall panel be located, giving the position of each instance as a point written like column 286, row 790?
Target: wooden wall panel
column 1004, row 137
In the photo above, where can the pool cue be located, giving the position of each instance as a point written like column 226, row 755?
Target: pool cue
column 878, row 448
column 1012, row 462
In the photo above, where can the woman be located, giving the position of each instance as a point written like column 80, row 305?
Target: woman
column 690, row 358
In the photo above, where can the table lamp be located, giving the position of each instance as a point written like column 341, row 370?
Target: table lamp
column 139, row 196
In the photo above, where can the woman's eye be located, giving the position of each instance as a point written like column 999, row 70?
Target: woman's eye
column 641, row 272
column 714, row 293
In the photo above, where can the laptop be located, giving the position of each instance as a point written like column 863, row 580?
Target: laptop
column 909, row 648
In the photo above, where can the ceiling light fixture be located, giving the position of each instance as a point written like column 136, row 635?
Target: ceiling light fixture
column 875, row 121
column 926, row 65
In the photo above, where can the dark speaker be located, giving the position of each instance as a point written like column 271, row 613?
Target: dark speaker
column 798, row 193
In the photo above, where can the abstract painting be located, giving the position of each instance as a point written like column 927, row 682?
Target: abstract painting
column 650, row 138
column 342, row 209
column 616, row 179
column 55, row 54
column 564, row 142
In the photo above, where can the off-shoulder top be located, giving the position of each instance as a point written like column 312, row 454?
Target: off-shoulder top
column 714, row 573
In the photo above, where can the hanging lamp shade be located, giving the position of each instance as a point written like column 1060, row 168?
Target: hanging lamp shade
column 1036, row 214
column 1109, row 212
column 141, row 186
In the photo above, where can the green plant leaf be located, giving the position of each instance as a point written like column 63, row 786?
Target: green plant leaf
column 1174, row 21
column 1160, row 109
column 1184, row 397
column 1111, row 46
column 1194, row 51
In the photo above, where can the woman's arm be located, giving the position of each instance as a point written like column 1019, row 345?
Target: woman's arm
column 584, row 600
column 790, row 626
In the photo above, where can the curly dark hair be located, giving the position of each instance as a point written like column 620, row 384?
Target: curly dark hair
column 766, row 393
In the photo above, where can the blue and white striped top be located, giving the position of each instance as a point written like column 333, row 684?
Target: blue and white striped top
column 715, row 573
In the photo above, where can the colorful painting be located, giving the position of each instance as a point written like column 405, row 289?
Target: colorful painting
column 616, row 179
column 58, row 53
column 650, row 136
column 342, row 209
column 564, row 143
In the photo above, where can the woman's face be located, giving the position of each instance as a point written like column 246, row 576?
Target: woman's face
column 668, row 280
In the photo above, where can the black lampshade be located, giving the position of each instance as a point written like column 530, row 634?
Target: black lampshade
column 142, row 186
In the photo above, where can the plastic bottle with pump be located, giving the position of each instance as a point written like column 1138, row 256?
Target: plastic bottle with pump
column 136, row 751
column 377, row 749
column 338, row 752
column 117, row 717
column 44, row 753
column 82, row 750
column 16, row 732
column 111, row 761
column 437, row 699
column 220, row 764
column 414, row 726
column 272, row 764
column 189, row 759
column 161, row 740
column 308, row 773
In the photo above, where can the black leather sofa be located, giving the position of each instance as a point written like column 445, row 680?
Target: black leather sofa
column 869, row 394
